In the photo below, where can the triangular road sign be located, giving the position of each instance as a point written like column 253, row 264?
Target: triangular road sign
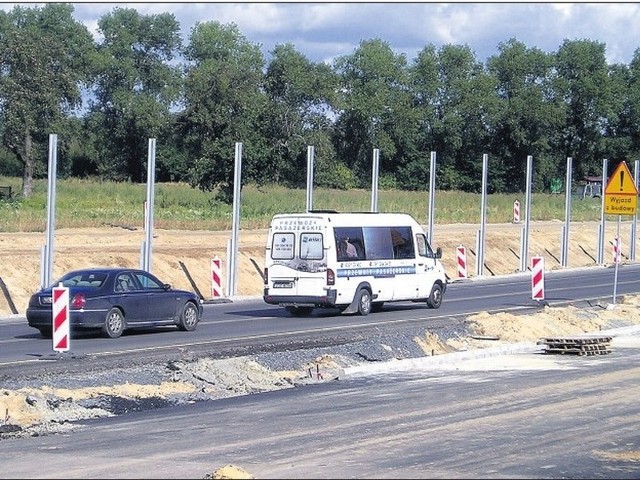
column 621, row 181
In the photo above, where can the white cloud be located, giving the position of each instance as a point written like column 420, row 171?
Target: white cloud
column 324, row 30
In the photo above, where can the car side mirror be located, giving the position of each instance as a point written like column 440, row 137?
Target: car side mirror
column 167, row 286
column 439, row 252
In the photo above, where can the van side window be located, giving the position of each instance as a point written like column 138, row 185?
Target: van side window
column 350, row 244
column 402, row 242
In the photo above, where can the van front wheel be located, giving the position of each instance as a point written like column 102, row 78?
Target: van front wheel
column 435, row 298
column 364, row 302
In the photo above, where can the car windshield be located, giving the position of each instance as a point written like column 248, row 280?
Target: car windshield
column 83, row 279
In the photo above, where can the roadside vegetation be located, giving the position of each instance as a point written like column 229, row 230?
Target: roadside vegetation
column 103, row 98
column 177, row 206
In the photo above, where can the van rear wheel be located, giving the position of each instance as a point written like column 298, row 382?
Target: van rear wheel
column 364, row 302
column 435, row 298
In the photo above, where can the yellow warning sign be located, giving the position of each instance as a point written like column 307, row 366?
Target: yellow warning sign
column 621, row 181
column 621, row 194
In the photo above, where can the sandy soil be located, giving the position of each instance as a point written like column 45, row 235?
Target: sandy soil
column 114, row 246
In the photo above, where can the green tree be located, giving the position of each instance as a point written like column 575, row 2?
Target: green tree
column 584, row 87
column 527, row 118
column 376, row 110
column 633, row 106
column 424, row 87
column 224, row 99
column 465, row 106
column 301, row 95
column 136, row 89
column 45, row 58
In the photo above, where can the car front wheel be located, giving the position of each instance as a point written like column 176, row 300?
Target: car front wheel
column 189, row 318
column 113, row 324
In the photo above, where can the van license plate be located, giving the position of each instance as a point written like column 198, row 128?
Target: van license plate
column 283, row 285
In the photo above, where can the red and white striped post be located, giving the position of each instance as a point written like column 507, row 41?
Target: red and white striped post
column 516, row 212
column 537, row 278
column 462, row 261
column 616, row 250
column 61, row 330
column 216, row 277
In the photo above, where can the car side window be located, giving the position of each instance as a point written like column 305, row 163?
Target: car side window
column 125, row 283
column 149, row 283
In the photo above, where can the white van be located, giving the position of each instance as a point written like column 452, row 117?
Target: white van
column 354, row 262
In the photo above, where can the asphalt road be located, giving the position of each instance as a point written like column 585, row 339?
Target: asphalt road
column 529, row 415
column 249, row 326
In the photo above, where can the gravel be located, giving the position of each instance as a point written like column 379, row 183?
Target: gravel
column 208, row 379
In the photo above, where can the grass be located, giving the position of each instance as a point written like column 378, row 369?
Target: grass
column 89, row 203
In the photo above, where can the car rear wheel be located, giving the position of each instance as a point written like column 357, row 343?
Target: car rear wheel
column 113, row 324
column 189, row 318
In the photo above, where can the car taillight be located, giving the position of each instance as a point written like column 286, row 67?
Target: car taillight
column 266, row 276
column 331, row 277
column 78, row 301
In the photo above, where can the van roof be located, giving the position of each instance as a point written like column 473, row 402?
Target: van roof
column 351, row 218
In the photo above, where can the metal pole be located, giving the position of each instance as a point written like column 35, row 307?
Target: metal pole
column 634, row 220
column 432, row 196
column 483, row 216
column 51, row 209
column 615, row 259
column 374, row 180
column 237, row 188
column 310, row 160
column 567, row 214
column 151, row 180
column 524, row 254
column 602, row 216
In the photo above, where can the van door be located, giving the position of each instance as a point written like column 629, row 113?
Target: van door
column 426, row 266
column 297, row 264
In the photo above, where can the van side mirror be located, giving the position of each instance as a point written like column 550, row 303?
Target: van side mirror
column 439, row 252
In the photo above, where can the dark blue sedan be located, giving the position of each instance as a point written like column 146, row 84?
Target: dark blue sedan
column 114, row 300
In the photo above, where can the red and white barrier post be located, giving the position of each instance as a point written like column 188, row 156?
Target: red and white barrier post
column 616, row 250
column 537, row 278
column 216, row 277
column 462, row 261
column 61, row 330
column 516, row 212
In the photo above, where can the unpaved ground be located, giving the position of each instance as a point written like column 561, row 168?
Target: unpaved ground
column 114, row 246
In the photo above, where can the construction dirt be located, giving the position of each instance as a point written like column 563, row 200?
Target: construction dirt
column 184, row 258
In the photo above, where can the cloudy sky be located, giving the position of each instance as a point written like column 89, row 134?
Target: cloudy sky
column 324, row 30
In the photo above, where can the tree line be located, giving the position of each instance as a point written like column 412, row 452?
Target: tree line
column 105, row 98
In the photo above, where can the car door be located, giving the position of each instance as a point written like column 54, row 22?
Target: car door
column 131, row 298
column 161, row 303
